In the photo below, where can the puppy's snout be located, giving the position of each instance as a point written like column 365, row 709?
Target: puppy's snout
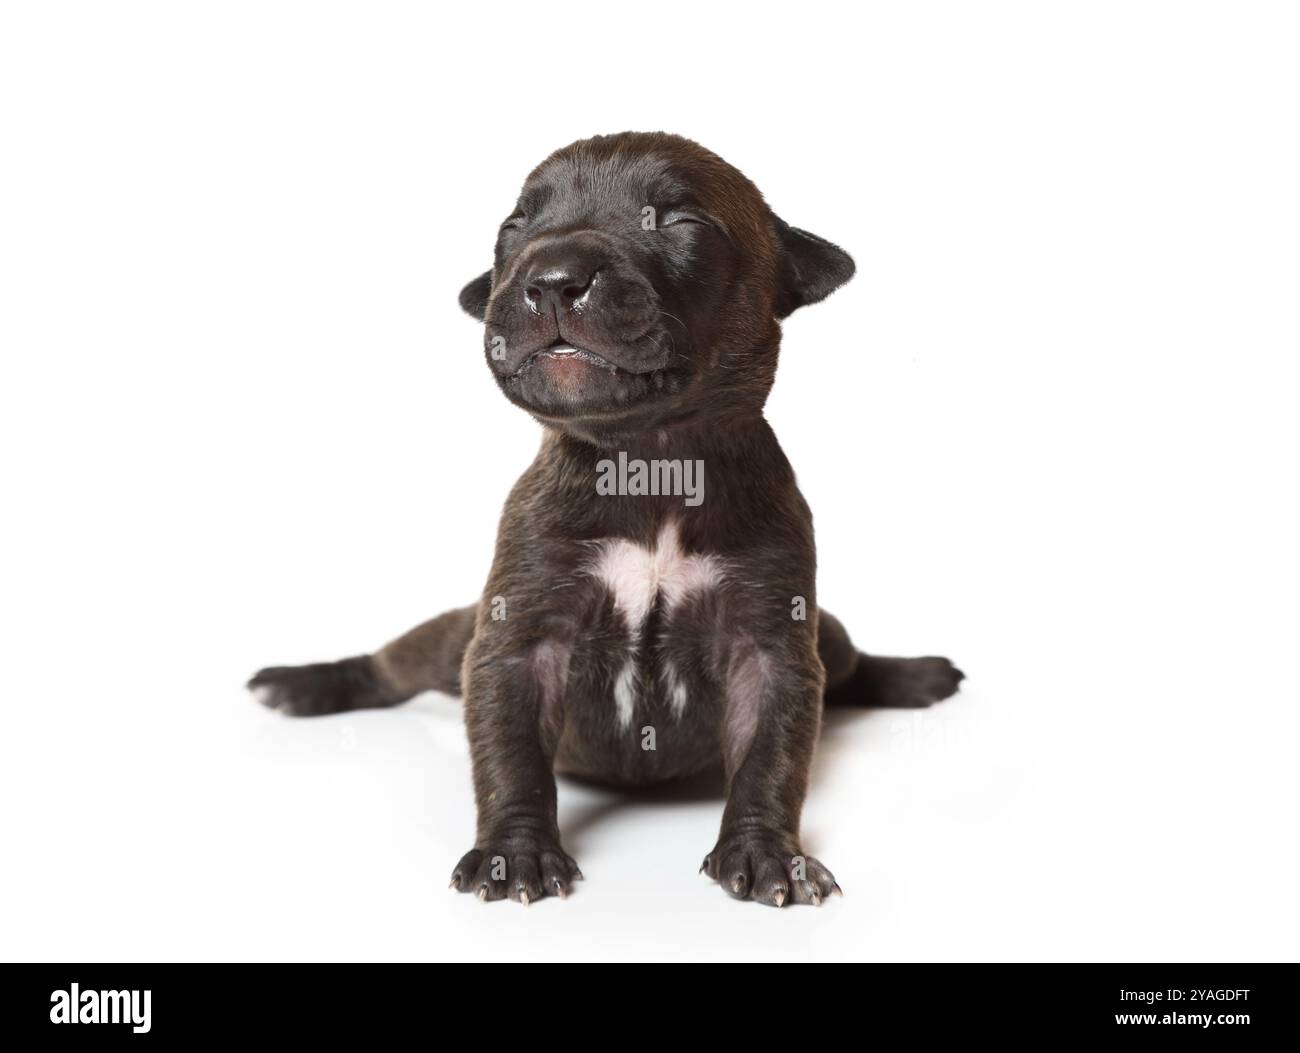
column 558, row 287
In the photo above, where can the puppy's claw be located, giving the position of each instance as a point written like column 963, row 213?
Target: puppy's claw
column 482, row 893
column 523, row 896
column 769, row 872
column 455, row 882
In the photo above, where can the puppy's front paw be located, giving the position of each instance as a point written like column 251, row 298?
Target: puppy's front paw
column 768, row 870
column 524, row 870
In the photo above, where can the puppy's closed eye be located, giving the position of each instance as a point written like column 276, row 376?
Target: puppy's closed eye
column 675, row 218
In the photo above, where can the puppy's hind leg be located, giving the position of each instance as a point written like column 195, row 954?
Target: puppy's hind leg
column 857, row 679
column 425, row 659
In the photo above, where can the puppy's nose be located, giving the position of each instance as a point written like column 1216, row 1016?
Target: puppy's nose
column 557, row 288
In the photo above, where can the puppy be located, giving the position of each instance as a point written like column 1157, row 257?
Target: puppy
column 651, row 610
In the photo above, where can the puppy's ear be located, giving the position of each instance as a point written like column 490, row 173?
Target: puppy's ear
column 474, row 297
column 811, row 268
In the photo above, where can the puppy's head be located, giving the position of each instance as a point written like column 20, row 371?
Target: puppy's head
column 638, row 282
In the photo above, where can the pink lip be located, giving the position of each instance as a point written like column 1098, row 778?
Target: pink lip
column 566, row 355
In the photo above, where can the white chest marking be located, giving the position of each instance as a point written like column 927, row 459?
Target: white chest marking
column 635, row 577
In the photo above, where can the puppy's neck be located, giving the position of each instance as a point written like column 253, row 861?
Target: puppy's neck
column 723, row 436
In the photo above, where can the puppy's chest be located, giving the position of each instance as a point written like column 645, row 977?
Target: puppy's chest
column 657, row 618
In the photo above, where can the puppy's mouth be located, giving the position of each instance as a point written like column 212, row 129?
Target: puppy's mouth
column 563, row 380
column 562, row 354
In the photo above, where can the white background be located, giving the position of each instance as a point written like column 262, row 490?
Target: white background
column 1048, row 430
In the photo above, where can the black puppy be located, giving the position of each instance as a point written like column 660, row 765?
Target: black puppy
column 651, row 609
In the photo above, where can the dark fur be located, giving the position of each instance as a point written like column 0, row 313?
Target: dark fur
column 679, row 325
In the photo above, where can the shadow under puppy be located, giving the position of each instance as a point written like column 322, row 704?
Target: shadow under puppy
column 651, row 610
